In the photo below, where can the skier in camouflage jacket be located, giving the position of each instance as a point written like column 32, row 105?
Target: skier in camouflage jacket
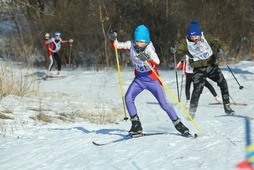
column 202, row 51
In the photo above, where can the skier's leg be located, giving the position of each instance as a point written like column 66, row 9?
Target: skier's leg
column 51, row 64
column 198, row 78
column 216, row 75
column 132, row 92
column 187, row 89
column 188, row 85
column 134, row 89
column 210, row 88
column 59, row 62
column 156, row 89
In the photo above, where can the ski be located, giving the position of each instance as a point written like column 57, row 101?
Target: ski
column 237, row 104
column 42, row 78
column 51, row 77
column 127, row 137
column 56, row 76
column 236, row 115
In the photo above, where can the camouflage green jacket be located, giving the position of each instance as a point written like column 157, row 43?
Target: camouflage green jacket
column 214, row 43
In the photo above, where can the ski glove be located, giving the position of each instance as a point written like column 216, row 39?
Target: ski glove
column 139, row 49
column 144, row 57
column 71, row 41
column 113, row 35
column 172, row 50
column 183, row 58
column 47, row 36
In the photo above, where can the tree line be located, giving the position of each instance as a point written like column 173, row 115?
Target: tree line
column 89, row 22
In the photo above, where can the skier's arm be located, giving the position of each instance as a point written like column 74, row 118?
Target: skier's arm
column 150, row 50
column 121, row 45
column 64, row 42
column 45, row 42
column 182, row 48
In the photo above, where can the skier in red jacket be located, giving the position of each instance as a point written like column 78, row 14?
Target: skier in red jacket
column 54, row 45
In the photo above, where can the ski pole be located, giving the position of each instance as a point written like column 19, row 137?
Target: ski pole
column 120, row 83
column 232, row 99
column 174, row 97
column 240, row 87
column 176, row 77
column 182, row 81
column 70, row 55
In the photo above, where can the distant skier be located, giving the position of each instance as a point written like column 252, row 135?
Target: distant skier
column 54, row 45
column 141, row 50
column 188, row 71
column 201, row 51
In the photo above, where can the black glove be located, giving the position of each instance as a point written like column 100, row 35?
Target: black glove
column 144, row 57
column 172, row 49
column 139, row 49
column 113, row 35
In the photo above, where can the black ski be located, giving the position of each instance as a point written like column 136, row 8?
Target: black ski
column 51, row 77
column 139, row 135
column 236, row 104
column 127, row 137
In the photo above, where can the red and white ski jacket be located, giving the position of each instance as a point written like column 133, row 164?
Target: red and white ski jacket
column 54, row 45
column 185, row 65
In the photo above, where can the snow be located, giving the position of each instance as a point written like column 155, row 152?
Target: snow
column 26, row 143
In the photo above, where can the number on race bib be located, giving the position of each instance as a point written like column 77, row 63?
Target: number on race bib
column 141, row 68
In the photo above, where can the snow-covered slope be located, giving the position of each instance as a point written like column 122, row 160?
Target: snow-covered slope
column 29, row 144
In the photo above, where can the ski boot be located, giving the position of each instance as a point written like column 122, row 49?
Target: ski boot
column 192, row 115
column 181, row 128
column 136, row 127
column 187, row 105
column 228, row 109
column 218, row 99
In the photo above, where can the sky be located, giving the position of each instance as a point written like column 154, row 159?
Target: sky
column 28, row 144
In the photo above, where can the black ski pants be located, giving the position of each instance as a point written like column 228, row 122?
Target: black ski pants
column 189, row 80
column 58, row 61
column 199, row 77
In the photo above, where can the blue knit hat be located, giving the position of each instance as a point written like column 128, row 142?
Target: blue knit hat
column 142, row 34
column 194, row 29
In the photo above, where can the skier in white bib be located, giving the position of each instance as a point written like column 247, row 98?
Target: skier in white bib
column 188, row 72
column 142, row 51
column 201, row 51
column 54, row 45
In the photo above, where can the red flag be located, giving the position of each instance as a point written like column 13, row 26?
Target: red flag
column 244, row 165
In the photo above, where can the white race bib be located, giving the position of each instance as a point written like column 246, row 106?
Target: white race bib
column 200, row 50
column 139, row 65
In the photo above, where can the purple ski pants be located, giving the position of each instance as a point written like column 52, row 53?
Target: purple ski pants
column 137, row 86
